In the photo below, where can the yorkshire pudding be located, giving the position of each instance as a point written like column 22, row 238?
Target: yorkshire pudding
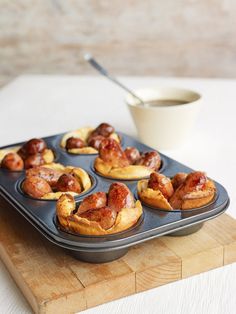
column 51, row 181
column 182, row 192
column 100, row 213
column 129, row 164
column 31, row 154
column 87, row 140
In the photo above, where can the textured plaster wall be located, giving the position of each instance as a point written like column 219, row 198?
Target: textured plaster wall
column 135, row 37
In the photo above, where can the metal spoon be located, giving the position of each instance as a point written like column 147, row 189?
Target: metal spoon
column 105, row 73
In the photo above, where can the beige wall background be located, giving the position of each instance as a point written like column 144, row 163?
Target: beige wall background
column 131, row 37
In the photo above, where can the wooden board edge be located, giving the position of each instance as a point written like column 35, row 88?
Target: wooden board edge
column 230, row 253
column 104, row 289
column 69, row 303
column 213, row 258
column 153, row 277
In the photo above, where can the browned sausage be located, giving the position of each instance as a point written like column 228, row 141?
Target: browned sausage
column 34, row 146
column 22, row 153
column 93, row 201
column 95, row 141
column 33, row 161
column 36, row 187
column 160, row 182
column 132, row 154
column 50, row 175
column 111, row 152
column 13, row 162
column 178, row 179
column 195, row 181
column 105, row 216
column 103, row 129
column 68, row 183
column 151, row 160
column 74, row 142
column 119, row 196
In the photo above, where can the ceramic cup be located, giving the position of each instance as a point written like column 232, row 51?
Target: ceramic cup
column 168, row 124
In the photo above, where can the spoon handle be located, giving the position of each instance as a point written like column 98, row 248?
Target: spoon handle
column 105, row 73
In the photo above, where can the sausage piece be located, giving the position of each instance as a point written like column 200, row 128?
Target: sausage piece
column 34, row 146
column 150, row 159
column 95, row 141
column 68, row 183
column 178, row 179
column 119, row 196
column 111, row 152
column 132, row 154
column 74, row 142
column 105, row 216
column 93, row 201
column 22, row 153
column 50, row 175
column 13, row 162
column 160, row 182
column 36, row 187
column 195, row 181
column 103, row 129
column 33, row 161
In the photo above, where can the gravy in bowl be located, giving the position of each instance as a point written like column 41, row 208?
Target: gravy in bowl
column 165, row 102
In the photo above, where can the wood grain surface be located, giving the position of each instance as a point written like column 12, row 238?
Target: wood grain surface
column 54, row 282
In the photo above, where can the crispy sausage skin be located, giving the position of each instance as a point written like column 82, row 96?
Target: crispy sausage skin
column 95, row 141
column 13, row 162
column 178, row 179
column 151, row 160
column 99, row 207
column 33, row 161
column 22, row 153
column 34, row 146
column 93, row 201
column 132, row 154
column 104, row 129
column 74, row 142
column 36, row 187
column 102, row 209
column 119, row 196
column 50, row 175
column 105, row 216
column 68, row 183
column 111, row 152
column 31, row 152
column 160, row 182
column 195, row 181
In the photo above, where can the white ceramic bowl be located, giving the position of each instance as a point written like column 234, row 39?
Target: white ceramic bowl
column 164, row 127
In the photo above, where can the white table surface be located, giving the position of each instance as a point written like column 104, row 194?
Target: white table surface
column 34, row 106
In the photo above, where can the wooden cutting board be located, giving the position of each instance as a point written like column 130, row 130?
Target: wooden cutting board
column 54, row 282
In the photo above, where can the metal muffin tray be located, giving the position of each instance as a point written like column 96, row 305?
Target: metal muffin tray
column 99, row 249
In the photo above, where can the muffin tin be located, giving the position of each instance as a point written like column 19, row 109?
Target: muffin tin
column 98, row 249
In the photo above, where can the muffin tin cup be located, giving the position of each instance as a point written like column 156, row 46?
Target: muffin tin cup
column 64, row 150
column 61, row 228
column 77, row 197
column 160, row 170
column 105, row 248
column 101, row 257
